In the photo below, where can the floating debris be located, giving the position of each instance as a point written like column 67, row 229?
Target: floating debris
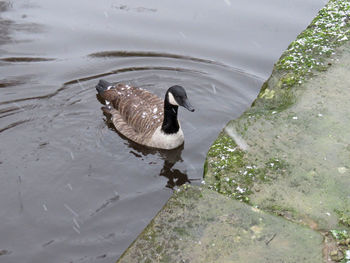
column 182, row 34
column 76, row 230
column 76, row 223
column 71, row 210
column 214, row 88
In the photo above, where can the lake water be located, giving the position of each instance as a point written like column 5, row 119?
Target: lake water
column 72, row 189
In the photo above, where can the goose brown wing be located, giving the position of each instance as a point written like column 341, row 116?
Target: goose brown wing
column 138, row 113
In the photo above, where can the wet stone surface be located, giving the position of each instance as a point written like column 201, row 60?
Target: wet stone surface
column 200, row 225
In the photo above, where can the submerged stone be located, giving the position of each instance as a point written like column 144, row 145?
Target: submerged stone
column 200, row 225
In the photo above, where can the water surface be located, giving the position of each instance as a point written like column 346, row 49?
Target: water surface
column 72, row 189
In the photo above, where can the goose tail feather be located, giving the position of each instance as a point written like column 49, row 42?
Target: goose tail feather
column 103, row 86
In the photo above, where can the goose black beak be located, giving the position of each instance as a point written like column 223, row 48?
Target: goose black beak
column 187, row 105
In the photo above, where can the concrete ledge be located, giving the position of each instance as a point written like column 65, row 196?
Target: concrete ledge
column 200, row 225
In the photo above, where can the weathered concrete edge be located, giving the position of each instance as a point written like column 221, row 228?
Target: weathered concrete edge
column 312, row 53
column 200, row 225
column 309, row 55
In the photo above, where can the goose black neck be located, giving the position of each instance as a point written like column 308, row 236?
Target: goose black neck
column 170, row 124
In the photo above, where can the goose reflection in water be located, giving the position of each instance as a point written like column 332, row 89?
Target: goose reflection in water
column 170, row 157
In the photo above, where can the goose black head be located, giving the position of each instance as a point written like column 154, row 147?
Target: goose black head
column 176, row 95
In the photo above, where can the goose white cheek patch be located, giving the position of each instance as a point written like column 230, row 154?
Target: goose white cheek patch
column 172, row 99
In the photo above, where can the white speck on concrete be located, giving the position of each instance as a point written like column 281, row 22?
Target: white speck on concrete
column 342, row 170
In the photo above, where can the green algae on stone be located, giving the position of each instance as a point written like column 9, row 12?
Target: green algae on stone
column 306, row 55
column 225, row 157
column 344, row 217
column 228, row 172
column 326, row 32
column 290, row 121
column 200, row 225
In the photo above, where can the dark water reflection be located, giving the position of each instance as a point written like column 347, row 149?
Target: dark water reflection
column 71, row 188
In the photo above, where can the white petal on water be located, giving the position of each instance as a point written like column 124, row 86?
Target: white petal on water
column 228, row 2
column 81, row 86
column 45, row 207
column 70, row 186
column 76, row 223
column 71, row 210
column 192, row 167
column 182, row 34
column 295, row 118
column 72, row 155
column 76, row 230
column 214, row 88
column 106, row 14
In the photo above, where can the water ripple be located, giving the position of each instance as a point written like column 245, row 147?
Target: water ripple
column 26, row 59
column 12, row 125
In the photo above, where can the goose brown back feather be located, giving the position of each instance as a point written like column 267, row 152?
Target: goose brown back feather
column 136, row 113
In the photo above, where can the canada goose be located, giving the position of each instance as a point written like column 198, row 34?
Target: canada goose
column 142, row 116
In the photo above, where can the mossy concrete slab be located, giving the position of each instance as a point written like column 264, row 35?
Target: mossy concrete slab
column 290, row 153
column 200, row 225
column 296, row 160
